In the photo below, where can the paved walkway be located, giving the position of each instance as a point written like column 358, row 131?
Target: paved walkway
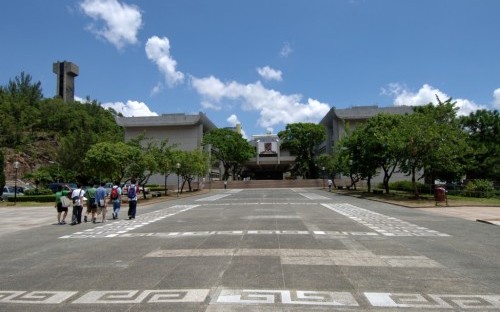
column 272, row 250
column 483, row 214
column 16, row 218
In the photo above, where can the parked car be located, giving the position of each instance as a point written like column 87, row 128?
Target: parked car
column 8, row 191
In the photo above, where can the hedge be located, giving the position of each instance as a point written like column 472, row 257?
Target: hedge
column 33, row 198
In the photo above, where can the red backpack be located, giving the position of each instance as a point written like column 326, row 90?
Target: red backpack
column 114, row 193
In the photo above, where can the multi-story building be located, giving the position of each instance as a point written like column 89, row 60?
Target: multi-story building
column 271, row 162
column 183, row 131
column 337, row 121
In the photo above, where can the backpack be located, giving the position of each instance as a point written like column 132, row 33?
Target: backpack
column 114, row 193
column 76, row 199
column 132, row 191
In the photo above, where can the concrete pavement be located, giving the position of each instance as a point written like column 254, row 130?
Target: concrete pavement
column 252, row 250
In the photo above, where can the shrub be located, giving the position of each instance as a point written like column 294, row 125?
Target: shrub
column 38, row 191
column 406, row 186
column 479, row 188
column 33, row 198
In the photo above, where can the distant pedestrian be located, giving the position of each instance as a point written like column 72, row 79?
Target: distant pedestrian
column 132, row 192
column 91, row 204
column 330, row 183
column 115, row 197
column 100, row 196
column 62, row 203
column 77, row 197
column 225, row 185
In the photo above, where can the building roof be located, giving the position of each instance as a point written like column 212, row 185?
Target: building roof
column 166, row 120
column 364, row 112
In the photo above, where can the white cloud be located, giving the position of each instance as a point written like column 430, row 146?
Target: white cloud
column 425, row 95
column 233, row 121
column 496, row 99
column 130, row 109
column 210, row 105
column 275, row 108
column 286, row 50
column 269, row 73
column 80, row 99
column 158, row 51
column 120, row 22
column 156, row 89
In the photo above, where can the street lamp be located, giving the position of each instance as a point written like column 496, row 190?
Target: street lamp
column 178, row 166
column 16, row 166
column 323, row 170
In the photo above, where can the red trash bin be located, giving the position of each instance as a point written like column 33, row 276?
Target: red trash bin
column 440, row 195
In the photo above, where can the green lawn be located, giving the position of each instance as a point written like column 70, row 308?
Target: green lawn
column 426, row 200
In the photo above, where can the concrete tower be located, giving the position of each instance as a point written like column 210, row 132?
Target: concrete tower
column 66, row 73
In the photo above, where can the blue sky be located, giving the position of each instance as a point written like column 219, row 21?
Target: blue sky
column 262, row 63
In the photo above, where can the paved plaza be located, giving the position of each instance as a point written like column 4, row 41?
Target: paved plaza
column 251, row 250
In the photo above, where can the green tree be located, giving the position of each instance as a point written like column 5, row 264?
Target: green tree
column 107, row 161
column 89, row 124
column 192, row 164
column 230, row 148
column 2, row 171
column 20, row 98
column 164, row 158
column 375, row 144
column 365, row 152
column 301, row 140
column 483, row 130
column 327, row 161
column 148, row 163
column 434, row 143
column 40, row 176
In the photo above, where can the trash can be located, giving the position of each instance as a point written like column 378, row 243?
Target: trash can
column 440, row 195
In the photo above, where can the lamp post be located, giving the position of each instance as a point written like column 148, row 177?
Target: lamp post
column 16, row 166
column 323, row 171
column 178, row 166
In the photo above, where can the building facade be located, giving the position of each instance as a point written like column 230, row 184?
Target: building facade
column 271, row 162
column 338, row 121
column 183, row 131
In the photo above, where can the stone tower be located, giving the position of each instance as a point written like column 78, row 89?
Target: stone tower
column 66, row 73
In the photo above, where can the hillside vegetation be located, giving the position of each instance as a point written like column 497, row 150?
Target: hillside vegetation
column 40, row 132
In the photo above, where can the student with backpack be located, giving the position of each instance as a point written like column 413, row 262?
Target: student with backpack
column 77, row 196
column 116, row 198
column 132, row 192
column 62, row 203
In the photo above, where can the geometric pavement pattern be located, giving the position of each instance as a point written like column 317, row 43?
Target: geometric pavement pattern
column 379, row 223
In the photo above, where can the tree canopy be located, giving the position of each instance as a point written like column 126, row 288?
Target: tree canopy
column 302, row 139
column 230, row 148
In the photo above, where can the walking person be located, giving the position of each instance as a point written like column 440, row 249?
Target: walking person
column 132, row 192
column 330, row 183
column 77, row 196
column 91, row 204
column 115, row 197
column 62, row 203
column 100, row 196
